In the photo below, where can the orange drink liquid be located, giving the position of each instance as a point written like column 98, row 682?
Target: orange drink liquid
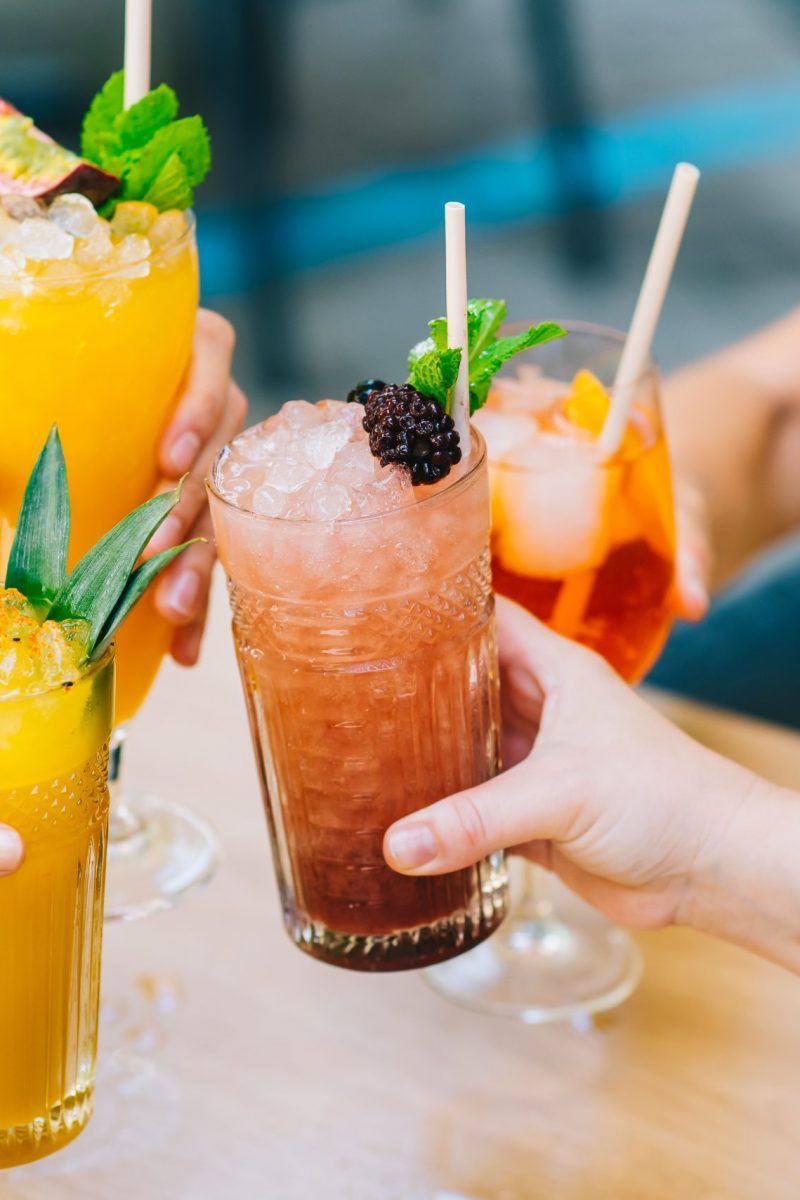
column 587, row 546
column 53, row 790
column 99, row 347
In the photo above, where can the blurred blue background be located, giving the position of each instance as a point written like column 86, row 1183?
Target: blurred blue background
column 341, row 126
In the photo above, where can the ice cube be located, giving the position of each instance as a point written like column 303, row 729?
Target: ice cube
column 112, row 293
column 75, row 214
column 503, row 431
column 133, row 216
column 528, row 392
column 132, row 257
column 327, row 502
column 96, row 248
column 269, row 501
column 551, row 508
column 42, row 240
column 299, row 414
column 321, row 444
column 12, row 260
column 22, row 207
column 168, row 228
column 391, row 488
column 62, row 271
column 286, row 476
column 354, row 466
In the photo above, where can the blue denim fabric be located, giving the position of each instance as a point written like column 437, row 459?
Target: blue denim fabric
column 745, row 655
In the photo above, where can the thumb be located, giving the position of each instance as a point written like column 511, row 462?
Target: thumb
column 530, row 802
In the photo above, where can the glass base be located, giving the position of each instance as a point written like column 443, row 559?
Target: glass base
column 46, row 1135
column 563, row 964
column 157, row 850
column 411, row 948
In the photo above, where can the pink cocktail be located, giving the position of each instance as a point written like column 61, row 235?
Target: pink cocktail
column 364, row 626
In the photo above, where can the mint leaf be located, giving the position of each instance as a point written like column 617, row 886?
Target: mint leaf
column 37, row 565
column 484, row 318
column 98, row 136
column 187, row 139
column 136, row 126
column 158, row 158
column 434, row 373
column 438, row 338
column 431, row 371
column 487, row 363
column 171, row 187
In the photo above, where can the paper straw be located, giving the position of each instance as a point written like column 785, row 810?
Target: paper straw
column 455, row 236
column 636, row 350
column 138, row 27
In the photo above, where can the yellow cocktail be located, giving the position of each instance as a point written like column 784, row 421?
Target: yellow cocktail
column 53, row 789
column 98, row 342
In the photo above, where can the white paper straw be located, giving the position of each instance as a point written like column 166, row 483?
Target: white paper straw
column 656, row 280
column 138, row 28
column 455, row 234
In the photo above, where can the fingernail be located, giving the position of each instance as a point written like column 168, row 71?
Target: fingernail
column 168, row 534
column 412, row 845
column 10, row 850
column 184, row 594
column 184, row 451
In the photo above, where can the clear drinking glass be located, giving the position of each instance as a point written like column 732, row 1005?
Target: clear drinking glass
column 588, row 547
column 101, row 352
column 367, row 653
column 53, row 790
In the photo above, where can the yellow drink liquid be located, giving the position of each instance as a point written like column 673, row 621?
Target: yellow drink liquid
column 101, row 353
column 53, row 790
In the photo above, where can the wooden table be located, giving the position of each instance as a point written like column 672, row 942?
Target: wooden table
column 276, row 1078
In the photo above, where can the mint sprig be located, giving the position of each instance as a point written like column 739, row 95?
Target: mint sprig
column 430, row 361
column 104, row 586
column 158, row 157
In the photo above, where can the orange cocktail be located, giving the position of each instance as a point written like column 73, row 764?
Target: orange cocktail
column 98, row 342
column 586, row 545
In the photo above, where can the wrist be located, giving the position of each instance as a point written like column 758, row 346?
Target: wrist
column 743, row 886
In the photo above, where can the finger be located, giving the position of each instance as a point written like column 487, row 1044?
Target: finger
column 186, row 643
column 534, row 800
column 536, row 664
column 11, row 850
column 693, row 557
column 203, row 396
column 182, row 591
column 193, row 493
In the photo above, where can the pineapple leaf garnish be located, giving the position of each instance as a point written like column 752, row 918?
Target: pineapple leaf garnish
column 134, row 589
column 37, row 565
column 96, row 585
column 428, row 363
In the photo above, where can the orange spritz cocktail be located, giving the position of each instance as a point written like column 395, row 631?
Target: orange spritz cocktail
column 586, row 545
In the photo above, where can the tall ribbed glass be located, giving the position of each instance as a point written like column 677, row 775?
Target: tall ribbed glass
column 53, row 790
column 367, row 654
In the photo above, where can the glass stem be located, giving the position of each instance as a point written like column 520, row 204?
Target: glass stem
column 123, row 826
column 534, row 902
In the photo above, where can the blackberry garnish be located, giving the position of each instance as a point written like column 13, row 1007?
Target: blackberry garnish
column 363, row 390
column 413, row 431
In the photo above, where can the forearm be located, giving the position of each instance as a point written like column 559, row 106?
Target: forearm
column 733, row 423
column 746, row 886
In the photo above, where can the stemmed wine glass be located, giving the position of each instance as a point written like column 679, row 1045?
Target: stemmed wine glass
column 587, row 546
